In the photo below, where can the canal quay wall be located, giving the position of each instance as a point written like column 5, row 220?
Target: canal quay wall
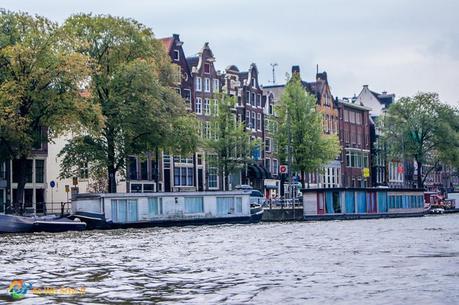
column 283, row 214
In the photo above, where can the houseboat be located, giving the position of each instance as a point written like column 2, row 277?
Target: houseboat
column 356, row 203
column 123, row 210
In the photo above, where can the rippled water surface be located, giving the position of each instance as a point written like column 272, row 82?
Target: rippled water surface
column 386, row 261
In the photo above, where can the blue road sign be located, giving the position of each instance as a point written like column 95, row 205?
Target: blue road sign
column 52, row 184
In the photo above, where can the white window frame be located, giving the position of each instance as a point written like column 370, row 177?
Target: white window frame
column 259, row 121
column 206, row 106
column 198, row 105
column 176, row 55
column 206, row 84
column 268, row 147
column 198, row 84
column 275, row 165
column 216, row 84
column 213, row 167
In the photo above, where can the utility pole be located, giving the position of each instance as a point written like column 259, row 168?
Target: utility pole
column 274, row 65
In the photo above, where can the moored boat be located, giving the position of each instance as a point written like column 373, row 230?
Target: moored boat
column 58, row 224
column 16, row 224
column 362, row 203
column 125, row 210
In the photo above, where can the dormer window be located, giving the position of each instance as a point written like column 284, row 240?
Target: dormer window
column 253, row 83
column 176, row 55
column 206, row 68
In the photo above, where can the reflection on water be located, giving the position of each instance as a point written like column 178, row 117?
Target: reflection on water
column 386, row 261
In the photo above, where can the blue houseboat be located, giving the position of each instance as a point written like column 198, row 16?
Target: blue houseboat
column 355, row 203
column 122, row 210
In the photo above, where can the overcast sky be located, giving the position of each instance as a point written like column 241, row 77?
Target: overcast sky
column 399, row 46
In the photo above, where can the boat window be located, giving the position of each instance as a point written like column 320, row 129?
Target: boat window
column 155, row 206
column 238, row 204
column 225, row 205
column 124, row 210
column 194, row 205
column 132, row 210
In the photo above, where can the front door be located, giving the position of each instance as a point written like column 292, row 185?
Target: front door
column 200, row 180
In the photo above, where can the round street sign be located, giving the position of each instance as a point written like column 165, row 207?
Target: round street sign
column 52, row 184
column 283, row 169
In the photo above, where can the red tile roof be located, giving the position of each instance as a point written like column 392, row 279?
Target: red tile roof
column 167, row 42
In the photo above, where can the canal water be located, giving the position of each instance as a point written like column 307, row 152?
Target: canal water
column 385, row 261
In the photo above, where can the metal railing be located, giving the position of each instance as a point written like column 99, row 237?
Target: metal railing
column 39, row 208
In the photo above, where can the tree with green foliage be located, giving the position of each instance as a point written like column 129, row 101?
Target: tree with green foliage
column 424, row 130
column 131, row 81
column 40, row 83
column 299, row 119
column 228, row 140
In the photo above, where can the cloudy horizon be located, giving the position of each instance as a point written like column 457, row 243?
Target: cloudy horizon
column 401, row 47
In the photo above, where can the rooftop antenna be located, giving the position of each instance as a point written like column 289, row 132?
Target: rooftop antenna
column 274, row 65
column 317, row 68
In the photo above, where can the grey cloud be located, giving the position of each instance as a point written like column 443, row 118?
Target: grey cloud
column 342, row 36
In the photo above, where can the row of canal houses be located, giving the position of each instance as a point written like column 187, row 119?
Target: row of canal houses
column 362, row 162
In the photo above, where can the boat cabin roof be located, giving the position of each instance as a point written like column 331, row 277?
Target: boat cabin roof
column 360, row 189
column 162, row 194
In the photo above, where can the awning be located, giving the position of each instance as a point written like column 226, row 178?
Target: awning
column 271, row 187
column 258, row 172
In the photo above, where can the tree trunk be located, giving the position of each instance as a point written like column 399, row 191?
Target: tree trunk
column 221, row 176
column 226, row 178
column 302, row 179
column 111, row 180
column 419, row 177
column 111, row 161
column 20, row 171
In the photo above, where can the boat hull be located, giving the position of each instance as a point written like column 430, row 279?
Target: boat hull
column 58, row 225
column 16, row 224
column 98, row 221
column 361, row 216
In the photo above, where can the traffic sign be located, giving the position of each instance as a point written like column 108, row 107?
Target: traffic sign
column 52, row 183
column 366, row 172
column 67, row 188
column 283, row 169
column 75, row 181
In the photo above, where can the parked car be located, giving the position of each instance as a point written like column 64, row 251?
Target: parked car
column 256, row 197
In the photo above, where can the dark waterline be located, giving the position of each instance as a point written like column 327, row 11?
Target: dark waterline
column 385, row 261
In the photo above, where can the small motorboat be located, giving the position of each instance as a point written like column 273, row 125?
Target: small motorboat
column 57, row 224
column 92, row 220
column 256, row 212
column 16, row 224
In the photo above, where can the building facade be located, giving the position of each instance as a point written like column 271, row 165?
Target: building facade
column 330, row 174
column 384, row 172
column 251, row 102
column 354, row 136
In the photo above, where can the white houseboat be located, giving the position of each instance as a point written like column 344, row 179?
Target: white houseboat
column 122, row 210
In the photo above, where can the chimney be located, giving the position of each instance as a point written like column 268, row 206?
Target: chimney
column 384, row 92
column 321, row 76
column 296, row 69
column 365, row 86
column 176, row 36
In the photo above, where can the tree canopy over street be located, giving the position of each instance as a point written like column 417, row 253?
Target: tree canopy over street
column 423, row 129
column 130, row 80
column 228, row 140
column 299, row 120
column 40, row 81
